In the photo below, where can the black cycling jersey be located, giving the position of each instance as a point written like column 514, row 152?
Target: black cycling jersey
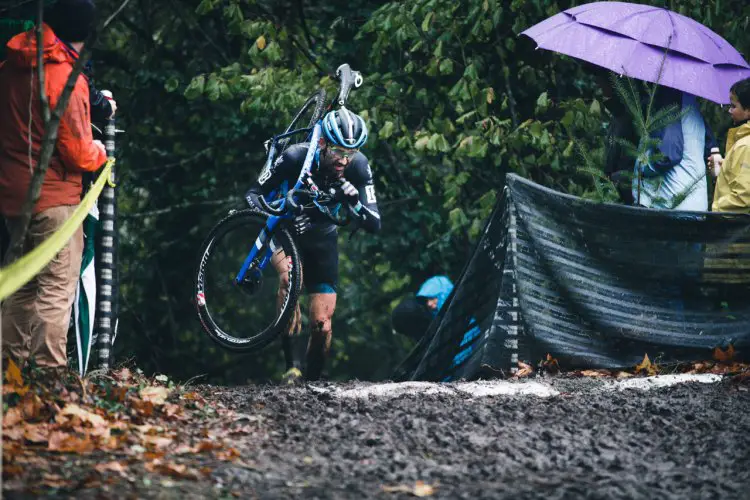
column 285, row 171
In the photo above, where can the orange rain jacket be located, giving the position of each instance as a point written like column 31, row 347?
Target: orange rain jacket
column 74, row 151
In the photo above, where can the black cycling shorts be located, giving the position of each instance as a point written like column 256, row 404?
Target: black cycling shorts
column 320, row 261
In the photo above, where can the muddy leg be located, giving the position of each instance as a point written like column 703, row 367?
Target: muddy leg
column 281, row 263
column 322, row 306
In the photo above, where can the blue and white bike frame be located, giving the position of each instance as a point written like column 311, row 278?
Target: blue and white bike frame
column 263, row 241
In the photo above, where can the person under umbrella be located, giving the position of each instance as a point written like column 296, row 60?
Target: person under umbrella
column 659, row 46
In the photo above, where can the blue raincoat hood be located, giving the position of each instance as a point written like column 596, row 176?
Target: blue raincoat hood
column 436, row 287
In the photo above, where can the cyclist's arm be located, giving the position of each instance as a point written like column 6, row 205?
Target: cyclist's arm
column 360, row 175
column 270, row 182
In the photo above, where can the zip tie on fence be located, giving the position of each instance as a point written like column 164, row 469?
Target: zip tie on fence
column 24, row 269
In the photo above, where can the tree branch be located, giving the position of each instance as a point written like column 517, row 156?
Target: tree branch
column 180, row 163
column 40, row 63
column 205, row 35
column 172, row 208
column 309, row 56
column 303, row 22
column 114, row 14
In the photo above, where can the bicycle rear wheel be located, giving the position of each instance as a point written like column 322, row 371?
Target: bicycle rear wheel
column 249, row 315
column 310, row 112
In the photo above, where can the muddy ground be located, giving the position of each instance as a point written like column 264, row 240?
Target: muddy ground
column 686, row 441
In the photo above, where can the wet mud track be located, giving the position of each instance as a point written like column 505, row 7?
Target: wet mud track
column 685, row 441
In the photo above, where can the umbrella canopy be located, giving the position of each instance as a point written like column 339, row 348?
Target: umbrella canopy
column 635, row 40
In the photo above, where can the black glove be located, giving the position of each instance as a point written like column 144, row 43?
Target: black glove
column 347, row 193
column 302, row 224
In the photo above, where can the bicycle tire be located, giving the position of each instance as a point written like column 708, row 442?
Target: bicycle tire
column 314, row 104
column 248, row 222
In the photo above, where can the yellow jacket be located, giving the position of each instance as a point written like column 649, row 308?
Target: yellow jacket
column 732, row 192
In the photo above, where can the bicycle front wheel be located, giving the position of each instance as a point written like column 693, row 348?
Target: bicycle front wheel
column 248, row 315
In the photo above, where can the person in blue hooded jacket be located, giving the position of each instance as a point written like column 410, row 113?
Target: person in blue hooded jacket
column 676, row 177
column 413, row 315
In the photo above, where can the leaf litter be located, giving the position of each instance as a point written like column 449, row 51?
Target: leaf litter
column 143, row 425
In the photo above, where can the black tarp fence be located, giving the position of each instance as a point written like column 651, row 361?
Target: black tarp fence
column 593, row 285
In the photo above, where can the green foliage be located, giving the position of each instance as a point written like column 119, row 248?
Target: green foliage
column 454, row 98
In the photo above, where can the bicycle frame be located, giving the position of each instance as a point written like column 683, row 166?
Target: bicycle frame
column 262, row 244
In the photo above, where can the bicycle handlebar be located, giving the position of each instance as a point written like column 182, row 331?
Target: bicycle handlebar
column 348, row 78
column 278, row 212
column 322, row 202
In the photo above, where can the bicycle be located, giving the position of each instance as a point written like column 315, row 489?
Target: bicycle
column 230, row 280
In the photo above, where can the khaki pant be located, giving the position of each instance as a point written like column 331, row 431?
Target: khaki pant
column 36, row 318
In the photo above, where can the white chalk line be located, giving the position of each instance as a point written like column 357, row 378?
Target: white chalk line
column 490, row 388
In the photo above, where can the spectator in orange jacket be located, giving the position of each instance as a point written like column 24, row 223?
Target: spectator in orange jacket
column 35, row 319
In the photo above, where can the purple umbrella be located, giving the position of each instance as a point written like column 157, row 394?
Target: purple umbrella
column 632, row 40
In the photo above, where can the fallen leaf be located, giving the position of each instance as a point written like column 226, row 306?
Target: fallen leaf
column 15, row 389
column 60, row 441
column 154, row 394
column 73, row 410
column 551, row 364
column 109, row 443
column 143, row 408
column 647, row 367
column 36, row 433
column 148, row 429
column 14, row 434
column 208, row 446
column 724, row 356
column 229, row 454
column 113, row 466
column 31, row 406
column 622, row 374
column 13, row 374
column 524, row 370
column 594, row 373
column 172, row 469
column 172, row 410
column 12, row 417
column 54, row 480
column 152, row 465
column 183, row 449
column 118, row 393
column 153, row 455
column 192, row 396
column 179, row 470
column 420, row 489
column 157, row 441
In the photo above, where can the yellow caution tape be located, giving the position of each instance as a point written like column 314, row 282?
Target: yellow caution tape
column 111, row 179
column 21, row 271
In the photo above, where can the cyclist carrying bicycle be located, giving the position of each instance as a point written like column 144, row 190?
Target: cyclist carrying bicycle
column 339, row 167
